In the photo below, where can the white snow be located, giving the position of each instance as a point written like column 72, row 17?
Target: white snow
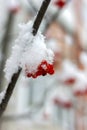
column 29, row 51
column 12, row 4
column 2, row 94
column 62, row 95
column 81, row 83
column 69, row 70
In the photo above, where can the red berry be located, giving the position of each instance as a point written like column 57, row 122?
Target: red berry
column 56, row 101
column 69, row 81
column 44, row 73
column 34, row 75
column 38, row 73
column 50, row 69
column 28, row 75
column 79, row 93
column 42, row 69
column 67, row 105
column 44, row 62
column 60, row 3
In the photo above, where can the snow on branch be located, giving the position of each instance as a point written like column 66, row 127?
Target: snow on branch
column 28, row 53
column 23, row 50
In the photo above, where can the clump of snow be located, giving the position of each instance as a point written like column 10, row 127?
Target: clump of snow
column 28, row 51
column 69, row 71
column 60, row 93
column 63, row 95
column 2, row 95
column 81, row 83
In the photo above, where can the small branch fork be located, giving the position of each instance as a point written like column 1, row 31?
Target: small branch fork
column 15, row 77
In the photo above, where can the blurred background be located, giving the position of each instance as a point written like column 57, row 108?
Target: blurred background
column 57, row 102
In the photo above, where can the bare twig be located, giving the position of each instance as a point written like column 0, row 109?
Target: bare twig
column 11, row 85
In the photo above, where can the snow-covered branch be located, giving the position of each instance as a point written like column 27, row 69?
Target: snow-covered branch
column 14, row 78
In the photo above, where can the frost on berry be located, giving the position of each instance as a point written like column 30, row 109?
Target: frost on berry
column 29, row 53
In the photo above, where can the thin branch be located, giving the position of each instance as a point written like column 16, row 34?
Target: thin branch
column 11, row 85
column 40, row 16
column 9, row 92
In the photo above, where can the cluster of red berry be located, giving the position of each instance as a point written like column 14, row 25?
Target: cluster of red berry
column 60, row 3
column 42, row 69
